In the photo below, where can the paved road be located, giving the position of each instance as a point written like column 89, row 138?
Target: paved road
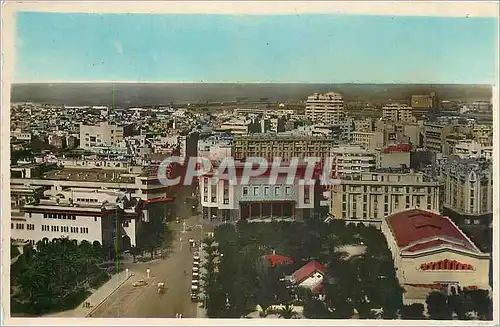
column 145, row 302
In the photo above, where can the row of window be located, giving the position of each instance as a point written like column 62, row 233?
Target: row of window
column 256, row 190
column 65, row 229
column 21, row 226
column 59, row 216
column 87, row 200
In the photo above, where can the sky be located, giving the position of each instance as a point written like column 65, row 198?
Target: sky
column 230, row 48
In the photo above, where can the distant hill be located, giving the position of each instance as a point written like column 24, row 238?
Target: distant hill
column 128, row 94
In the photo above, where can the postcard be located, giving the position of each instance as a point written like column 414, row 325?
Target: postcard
column 229, row 163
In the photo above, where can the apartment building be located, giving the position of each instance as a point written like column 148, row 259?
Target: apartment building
column 435, row 136
column 103, row 135
column 369, row 140
column 472, row 148
column 215, row 147
column 326, row 108
column 285, row 147
column 373, row 195
column 353, row 159
column 397, row 113
column 468, row 184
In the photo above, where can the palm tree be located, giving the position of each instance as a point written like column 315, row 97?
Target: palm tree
column 287, row 312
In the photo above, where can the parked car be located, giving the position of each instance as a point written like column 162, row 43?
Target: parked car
column 196, row 264
column 196, row 275
column 140, row 283
column 196, row 258
column 194, row 297
column 195, row 282
column 194, row 288
column 195, row 269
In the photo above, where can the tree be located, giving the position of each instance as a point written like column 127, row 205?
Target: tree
column 437, row 306
column 287, row 312
column 481, row 303
column 413, row 311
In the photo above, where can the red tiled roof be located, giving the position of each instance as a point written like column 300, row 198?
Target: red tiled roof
column 413, row 225
column 276, row 259
column 307, row 270
column 433, row 243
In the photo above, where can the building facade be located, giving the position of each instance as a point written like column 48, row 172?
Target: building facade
column 397, row 113
column 259, row 199
column 353, row 159
column 468, row 186
column 376, row 194
column 102, row 135
column 431, row 253
column 285, row 147
column 82, row 215
column 326, row 108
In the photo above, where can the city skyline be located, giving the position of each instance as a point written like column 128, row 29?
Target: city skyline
column 255, row 49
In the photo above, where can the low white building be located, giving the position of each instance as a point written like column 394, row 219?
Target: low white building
column 431, row 253
column 82, row 215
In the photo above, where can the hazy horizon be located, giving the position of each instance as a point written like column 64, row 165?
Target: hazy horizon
column 130, row 94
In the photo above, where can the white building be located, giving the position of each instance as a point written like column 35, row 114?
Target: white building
column 398, row 113
column 373, row 195
column 102, row 134
column 79, row 214
column 326, row 108
column 21, row 135
column 215, row 147
column 468, row 186
column 353, row 159
column 431, row 253
column 258, row 199
column 472, row 148
column 236, row 126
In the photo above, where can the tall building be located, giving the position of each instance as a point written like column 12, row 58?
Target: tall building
column 468, row 184
column 435, row 136
column 377, row 194
column 353, row 159
column 326, row 108
column 285, row 147
column 398, row 113
column 103, row 135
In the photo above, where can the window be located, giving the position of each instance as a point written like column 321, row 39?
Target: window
column 266, row 190
column 276, row 190
column 477, row 221
column 287, row 190
column 30, row 227
column 73, row 217
column 467, row 221
column 95, row 218
column 245, row 190
column 256, row 190
column 12, row 225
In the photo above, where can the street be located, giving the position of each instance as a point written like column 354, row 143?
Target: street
column 174, row 271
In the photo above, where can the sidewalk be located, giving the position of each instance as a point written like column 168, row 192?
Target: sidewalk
column 97, row 297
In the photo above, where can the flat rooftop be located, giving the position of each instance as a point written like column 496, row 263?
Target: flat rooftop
column 90, row 175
